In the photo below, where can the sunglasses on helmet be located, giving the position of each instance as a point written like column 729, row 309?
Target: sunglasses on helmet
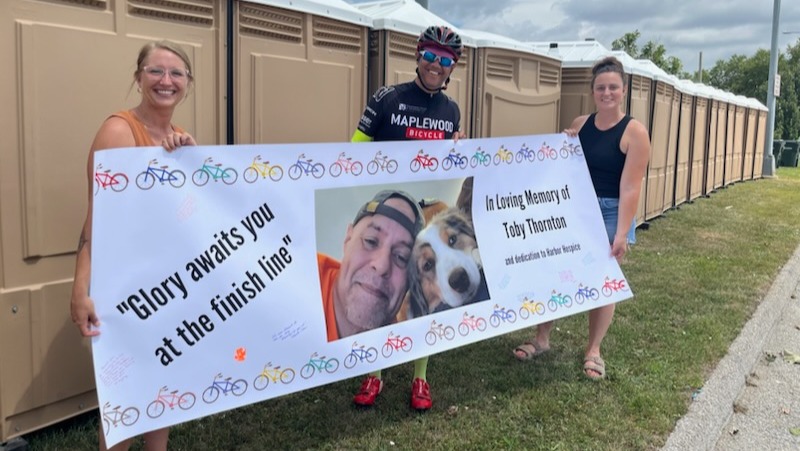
column 432, row 58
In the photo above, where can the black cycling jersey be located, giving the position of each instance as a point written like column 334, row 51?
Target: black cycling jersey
column 405, row 111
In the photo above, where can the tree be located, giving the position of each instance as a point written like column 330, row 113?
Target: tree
column 628, row 43
column 652, row 51
column 749, row 76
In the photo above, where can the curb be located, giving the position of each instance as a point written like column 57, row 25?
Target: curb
column 701, row 427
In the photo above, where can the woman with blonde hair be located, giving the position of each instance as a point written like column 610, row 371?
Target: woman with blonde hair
column 163, row 76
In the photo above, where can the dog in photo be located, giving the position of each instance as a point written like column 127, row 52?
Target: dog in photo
column 445, row 270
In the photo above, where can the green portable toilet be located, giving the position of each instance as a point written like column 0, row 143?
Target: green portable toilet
column 777, row 148
column 789, row 153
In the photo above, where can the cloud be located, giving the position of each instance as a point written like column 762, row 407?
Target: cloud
column 718, row 28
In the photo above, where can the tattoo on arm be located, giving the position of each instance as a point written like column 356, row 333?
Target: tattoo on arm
column 82, row 241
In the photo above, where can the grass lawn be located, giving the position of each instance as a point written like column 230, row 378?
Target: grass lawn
column 698, row 273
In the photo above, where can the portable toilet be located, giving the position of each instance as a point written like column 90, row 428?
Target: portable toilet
column 684, row 149
column 672, row 147
column 739, row 138
column 660, row 125
column 577, row 60
column 720, row 100
column 761, row 133
column 69, row 65
column 711, row 132
column 699, row 150
column 751, row 120
column 517, row 90
column 730, row 140
column 296, row 62
column 396, row 26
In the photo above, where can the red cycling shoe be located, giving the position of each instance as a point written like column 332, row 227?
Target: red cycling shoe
column 421, row 395
column 370, row 389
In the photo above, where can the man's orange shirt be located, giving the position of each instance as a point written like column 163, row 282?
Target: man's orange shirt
column 328, row 271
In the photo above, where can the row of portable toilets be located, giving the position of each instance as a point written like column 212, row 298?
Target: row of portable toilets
column 276, row 71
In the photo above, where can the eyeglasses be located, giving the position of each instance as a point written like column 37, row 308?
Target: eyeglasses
column 157, row 72
column 432, row 58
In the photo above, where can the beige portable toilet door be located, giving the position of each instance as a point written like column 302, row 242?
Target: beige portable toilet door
column 300, row 76
column 672, row 150
column 69, row 65
column 699, row 146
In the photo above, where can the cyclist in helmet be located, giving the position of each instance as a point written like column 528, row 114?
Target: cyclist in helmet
column 414, row 110
column 418, row 109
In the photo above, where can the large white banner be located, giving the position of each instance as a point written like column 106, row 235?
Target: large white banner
column 206, row 264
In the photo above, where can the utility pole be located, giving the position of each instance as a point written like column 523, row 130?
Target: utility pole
column 768, row 169
column 700, row 69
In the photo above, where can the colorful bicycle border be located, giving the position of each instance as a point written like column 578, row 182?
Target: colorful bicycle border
column 258, row 169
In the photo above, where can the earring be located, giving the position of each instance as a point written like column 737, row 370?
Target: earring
column 139, row 89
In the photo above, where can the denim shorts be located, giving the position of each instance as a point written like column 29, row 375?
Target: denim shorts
column 609, row 206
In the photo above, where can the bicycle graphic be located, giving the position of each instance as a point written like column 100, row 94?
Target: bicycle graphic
column 118, row 415
column 525, row 153
column 469, row 322
column 502, row 315
column 547, row 152
column 306, row 166
column 454, row 159
column 570, row 149
column 345, row 164
column 257, row 168
column 359, row 354
column 613, row 285
column 530, row 308
column 319, row 363
column 274, row 374
column 480, row 157
column 423, row 160
column 171, row 399
column 558, row 299
column 394, row 343
column 381, row 162
column 503, row 154
column 224, row 386
column 439, row 330
column 103, row 179
column 585, row 293
column 211, row 171
column 147, row 178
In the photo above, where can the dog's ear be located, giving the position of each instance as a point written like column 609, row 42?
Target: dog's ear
column 464, row 201
column 431, row 207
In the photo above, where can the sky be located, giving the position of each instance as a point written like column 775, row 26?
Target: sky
column 717, row 28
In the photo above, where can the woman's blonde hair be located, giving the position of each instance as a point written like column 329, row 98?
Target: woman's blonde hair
column 165, row 45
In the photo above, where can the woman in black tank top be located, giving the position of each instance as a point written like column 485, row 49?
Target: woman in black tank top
column 617, row 148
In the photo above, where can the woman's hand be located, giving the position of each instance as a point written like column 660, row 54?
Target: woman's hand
column 619, row 247
column 571, row 132
column 458, row 135
column 176, row 140
column 84, row 316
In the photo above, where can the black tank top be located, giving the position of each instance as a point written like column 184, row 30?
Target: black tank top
column 603, row 155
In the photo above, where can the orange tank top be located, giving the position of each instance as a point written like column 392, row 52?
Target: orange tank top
column 140, row 135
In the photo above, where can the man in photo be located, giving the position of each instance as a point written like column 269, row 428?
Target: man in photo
column 365, row 289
